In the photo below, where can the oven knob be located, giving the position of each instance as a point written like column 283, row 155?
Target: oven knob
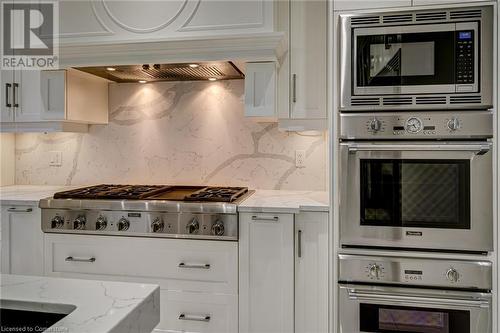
column 157, row 225
column 123, row 224
column 57, row 222
column 375, row 125
column 452, row 275
column 453, row 124
column 193, row 226
column 218, row 228
column 79, row 223
column 374, row 271
column 101, row 223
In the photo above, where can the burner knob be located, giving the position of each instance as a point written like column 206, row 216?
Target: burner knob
column 57, row 222
column 218, row 228
column 157, row 225
column 453, row 124
column 452, row 275
column 375, row 125
column 123, row 224
column 374, row 271
column 79, row 223
column 101, row 223
column 193, row 226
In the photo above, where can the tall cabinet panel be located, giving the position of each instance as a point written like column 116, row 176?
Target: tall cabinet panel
column 266, row 265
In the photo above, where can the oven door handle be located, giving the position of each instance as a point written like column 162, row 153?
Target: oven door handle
column 478, row 148
column 479, row 303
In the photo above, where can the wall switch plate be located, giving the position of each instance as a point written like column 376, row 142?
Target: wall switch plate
column 300, row 158
column 55, row 158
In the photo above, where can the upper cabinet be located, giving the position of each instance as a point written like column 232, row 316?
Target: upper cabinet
column 87, row 21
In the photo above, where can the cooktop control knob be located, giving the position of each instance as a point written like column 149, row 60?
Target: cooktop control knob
column 453, row 124
column 374, row 271
column 57, row 222
column 123, row 224
column 193, row 226
column 101, row 223
column 157, row 225
column 79, row 223
column 218, row 228
column 452, row 275
column 375, row 125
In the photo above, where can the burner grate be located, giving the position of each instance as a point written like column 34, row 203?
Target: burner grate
column 219, row 194
column 107, row 191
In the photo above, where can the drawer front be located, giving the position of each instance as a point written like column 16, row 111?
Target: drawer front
column 174, row 264
column 192, row 312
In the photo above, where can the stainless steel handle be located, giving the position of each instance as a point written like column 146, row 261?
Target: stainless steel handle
column 7, row 102
column 199, row 266
column 299, row 243
column 265, row 218
column 205, row 318
column 14, row 94
column 19, row 210
column 479, row 149
column 92, row 259
column 294, row 88
column 353, row 294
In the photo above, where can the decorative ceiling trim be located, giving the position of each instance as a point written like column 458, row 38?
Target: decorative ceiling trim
column 107, row 30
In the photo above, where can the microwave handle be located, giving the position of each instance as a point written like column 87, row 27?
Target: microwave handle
column 479, row 149
column 354, row 294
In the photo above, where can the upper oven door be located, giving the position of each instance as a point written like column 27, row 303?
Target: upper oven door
column 405, row 310
column 417, row 195
column 415, row 59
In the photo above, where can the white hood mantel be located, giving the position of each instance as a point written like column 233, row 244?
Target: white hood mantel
column 269, row 46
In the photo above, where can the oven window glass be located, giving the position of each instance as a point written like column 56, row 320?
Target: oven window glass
column 405, row 59
column 401, row 319
column 415, row 193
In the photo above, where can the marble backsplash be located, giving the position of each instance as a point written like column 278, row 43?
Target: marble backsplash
column 176, row 133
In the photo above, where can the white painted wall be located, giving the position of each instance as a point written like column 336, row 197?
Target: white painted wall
column 7, row 159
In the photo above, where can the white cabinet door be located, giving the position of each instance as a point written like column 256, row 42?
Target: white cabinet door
column 266, row 273
column 6, row 109
column 308, row 64
column 53, row 92
column 28, row 96
column 311, row 272
column 368, row 4
column 22, row 240
column 260, row 89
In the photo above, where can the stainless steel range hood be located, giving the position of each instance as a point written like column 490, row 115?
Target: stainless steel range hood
column 223, row 70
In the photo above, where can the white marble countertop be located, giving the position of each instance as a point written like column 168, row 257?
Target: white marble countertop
column 28, row 194
column 96, row 306
column 278, row 201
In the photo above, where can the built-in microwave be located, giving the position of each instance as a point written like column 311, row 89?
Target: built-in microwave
column 425, row 59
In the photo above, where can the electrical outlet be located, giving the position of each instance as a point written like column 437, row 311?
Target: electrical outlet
column 300, row 158
column 55, row 158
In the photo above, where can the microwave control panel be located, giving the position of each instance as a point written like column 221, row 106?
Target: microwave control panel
column 464, row 65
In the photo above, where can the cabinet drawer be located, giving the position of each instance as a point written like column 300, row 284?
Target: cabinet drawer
column 194, row 312
column 174, row 264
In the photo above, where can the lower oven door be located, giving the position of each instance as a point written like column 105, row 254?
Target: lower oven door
column 391, row 309
column 419, row 195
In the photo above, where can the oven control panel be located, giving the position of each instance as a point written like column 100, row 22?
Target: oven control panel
column 419, row 125
column 416, row 271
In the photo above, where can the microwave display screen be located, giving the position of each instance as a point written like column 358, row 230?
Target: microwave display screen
column 465, row 35
column 415, row 193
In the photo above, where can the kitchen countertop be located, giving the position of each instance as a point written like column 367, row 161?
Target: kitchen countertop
column 28, row 194
column 99, row 306
column 278, row 201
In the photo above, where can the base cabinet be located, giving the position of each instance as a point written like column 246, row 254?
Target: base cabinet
column 22, row 240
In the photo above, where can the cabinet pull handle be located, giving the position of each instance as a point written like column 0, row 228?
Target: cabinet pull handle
column 199, row 266
column 265, row 218
column 19, row 210
column 294, row 88
column 14, row 94
column 7, row 102
column 205, row 318
column 299, row 244
column 92, row 259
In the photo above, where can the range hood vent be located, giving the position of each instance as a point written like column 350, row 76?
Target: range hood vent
column 167, row 72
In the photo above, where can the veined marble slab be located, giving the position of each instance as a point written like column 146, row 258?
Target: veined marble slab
column 273, row 201
column 101, row 306
column 28, row 194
